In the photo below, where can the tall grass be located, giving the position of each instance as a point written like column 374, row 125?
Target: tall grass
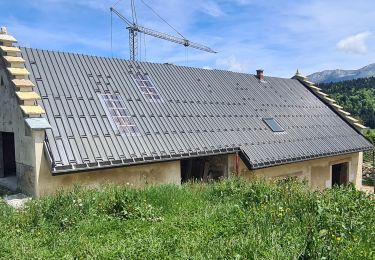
column 229, row 219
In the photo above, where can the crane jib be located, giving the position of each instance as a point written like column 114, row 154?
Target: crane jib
column 134, row 28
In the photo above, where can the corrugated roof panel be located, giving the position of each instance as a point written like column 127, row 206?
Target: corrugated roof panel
column 201, row 111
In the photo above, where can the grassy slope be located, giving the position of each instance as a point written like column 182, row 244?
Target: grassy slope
column 230, row 219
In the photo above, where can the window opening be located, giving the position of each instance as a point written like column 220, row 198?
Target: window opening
column 147, row 87
column 273, row 125
column 118, row 114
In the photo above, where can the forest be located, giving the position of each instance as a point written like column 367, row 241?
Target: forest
column 356, row 96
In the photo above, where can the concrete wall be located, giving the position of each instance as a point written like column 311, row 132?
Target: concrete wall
column 316, row 172
column 12, row 120
column 1, row 157
column 138, row 176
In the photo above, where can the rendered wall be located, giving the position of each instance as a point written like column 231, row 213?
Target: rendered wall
column 138, row 176
column 12, row 120
column 316, row 172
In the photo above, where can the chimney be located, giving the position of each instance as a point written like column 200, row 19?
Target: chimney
column 260, row 75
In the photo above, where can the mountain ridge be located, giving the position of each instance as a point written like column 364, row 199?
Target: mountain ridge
column 337, row 75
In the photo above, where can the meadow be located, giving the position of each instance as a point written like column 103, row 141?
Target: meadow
column 230, row 219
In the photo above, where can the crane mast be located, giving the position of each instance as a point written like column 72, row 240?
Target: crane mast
column 134, row 29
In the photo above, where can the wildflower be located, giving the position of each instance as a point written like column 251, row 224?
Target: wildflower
column 338, row 238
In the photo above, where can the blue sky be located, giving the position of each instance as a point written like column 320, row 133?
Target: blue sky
column 278, row 36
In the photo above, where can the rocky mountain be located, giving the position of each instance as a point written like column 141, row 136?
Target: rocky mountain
column 337, row 75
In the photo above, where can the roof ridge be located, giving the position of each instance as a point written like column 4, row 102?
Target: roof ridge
column 147, row 62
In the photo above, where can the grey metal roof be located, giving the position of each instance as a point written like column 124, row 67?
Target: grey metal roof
column 202, row 112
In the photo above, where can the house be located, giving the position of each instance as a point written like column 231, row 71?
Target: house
column 68, row 118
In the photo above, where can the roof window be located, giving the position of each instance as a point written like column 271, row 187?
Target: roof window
column 147, row 87
column 118, row 114
column 273, row 125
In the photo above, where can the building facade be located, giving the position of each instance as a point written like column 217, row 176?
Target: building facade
column 70, row 119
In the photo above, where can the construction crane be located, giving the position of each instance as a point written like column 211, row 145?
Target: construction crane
column 134, row 29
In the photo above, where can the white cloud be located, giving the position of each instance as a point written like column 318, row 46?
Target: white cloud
column 231, row 63
column 354, row 44
column 211, row 8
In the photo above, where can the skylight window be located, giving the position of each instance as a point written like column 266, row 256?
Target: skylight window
column 118, row 114
column 273, row 125
column 147, row 87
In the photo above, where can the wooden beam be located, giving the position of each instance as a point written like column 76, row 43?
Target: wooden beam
column 330, row 99
column 18, row 71
column 23, row 83
column 354, row 120
column 8, row 49
column 32, row 110
column 337, row 106
column 343, row 112
column 27, row 95
column 360, row 126
column 14, row 59
column 322, row 94
column 5, row 38
column 315, row 88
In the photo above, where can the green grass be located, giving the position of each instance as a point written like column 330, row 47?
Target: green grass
column 231, row 219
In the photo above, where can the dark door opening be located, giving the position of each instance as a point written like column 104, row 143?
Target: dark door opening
column 340, row 174
column 9, row 154
column 204, row 169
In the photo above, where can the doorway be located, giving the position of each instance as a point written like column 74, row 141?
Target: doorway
column 204, row 169
column 8, row 154
column 340, row 174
